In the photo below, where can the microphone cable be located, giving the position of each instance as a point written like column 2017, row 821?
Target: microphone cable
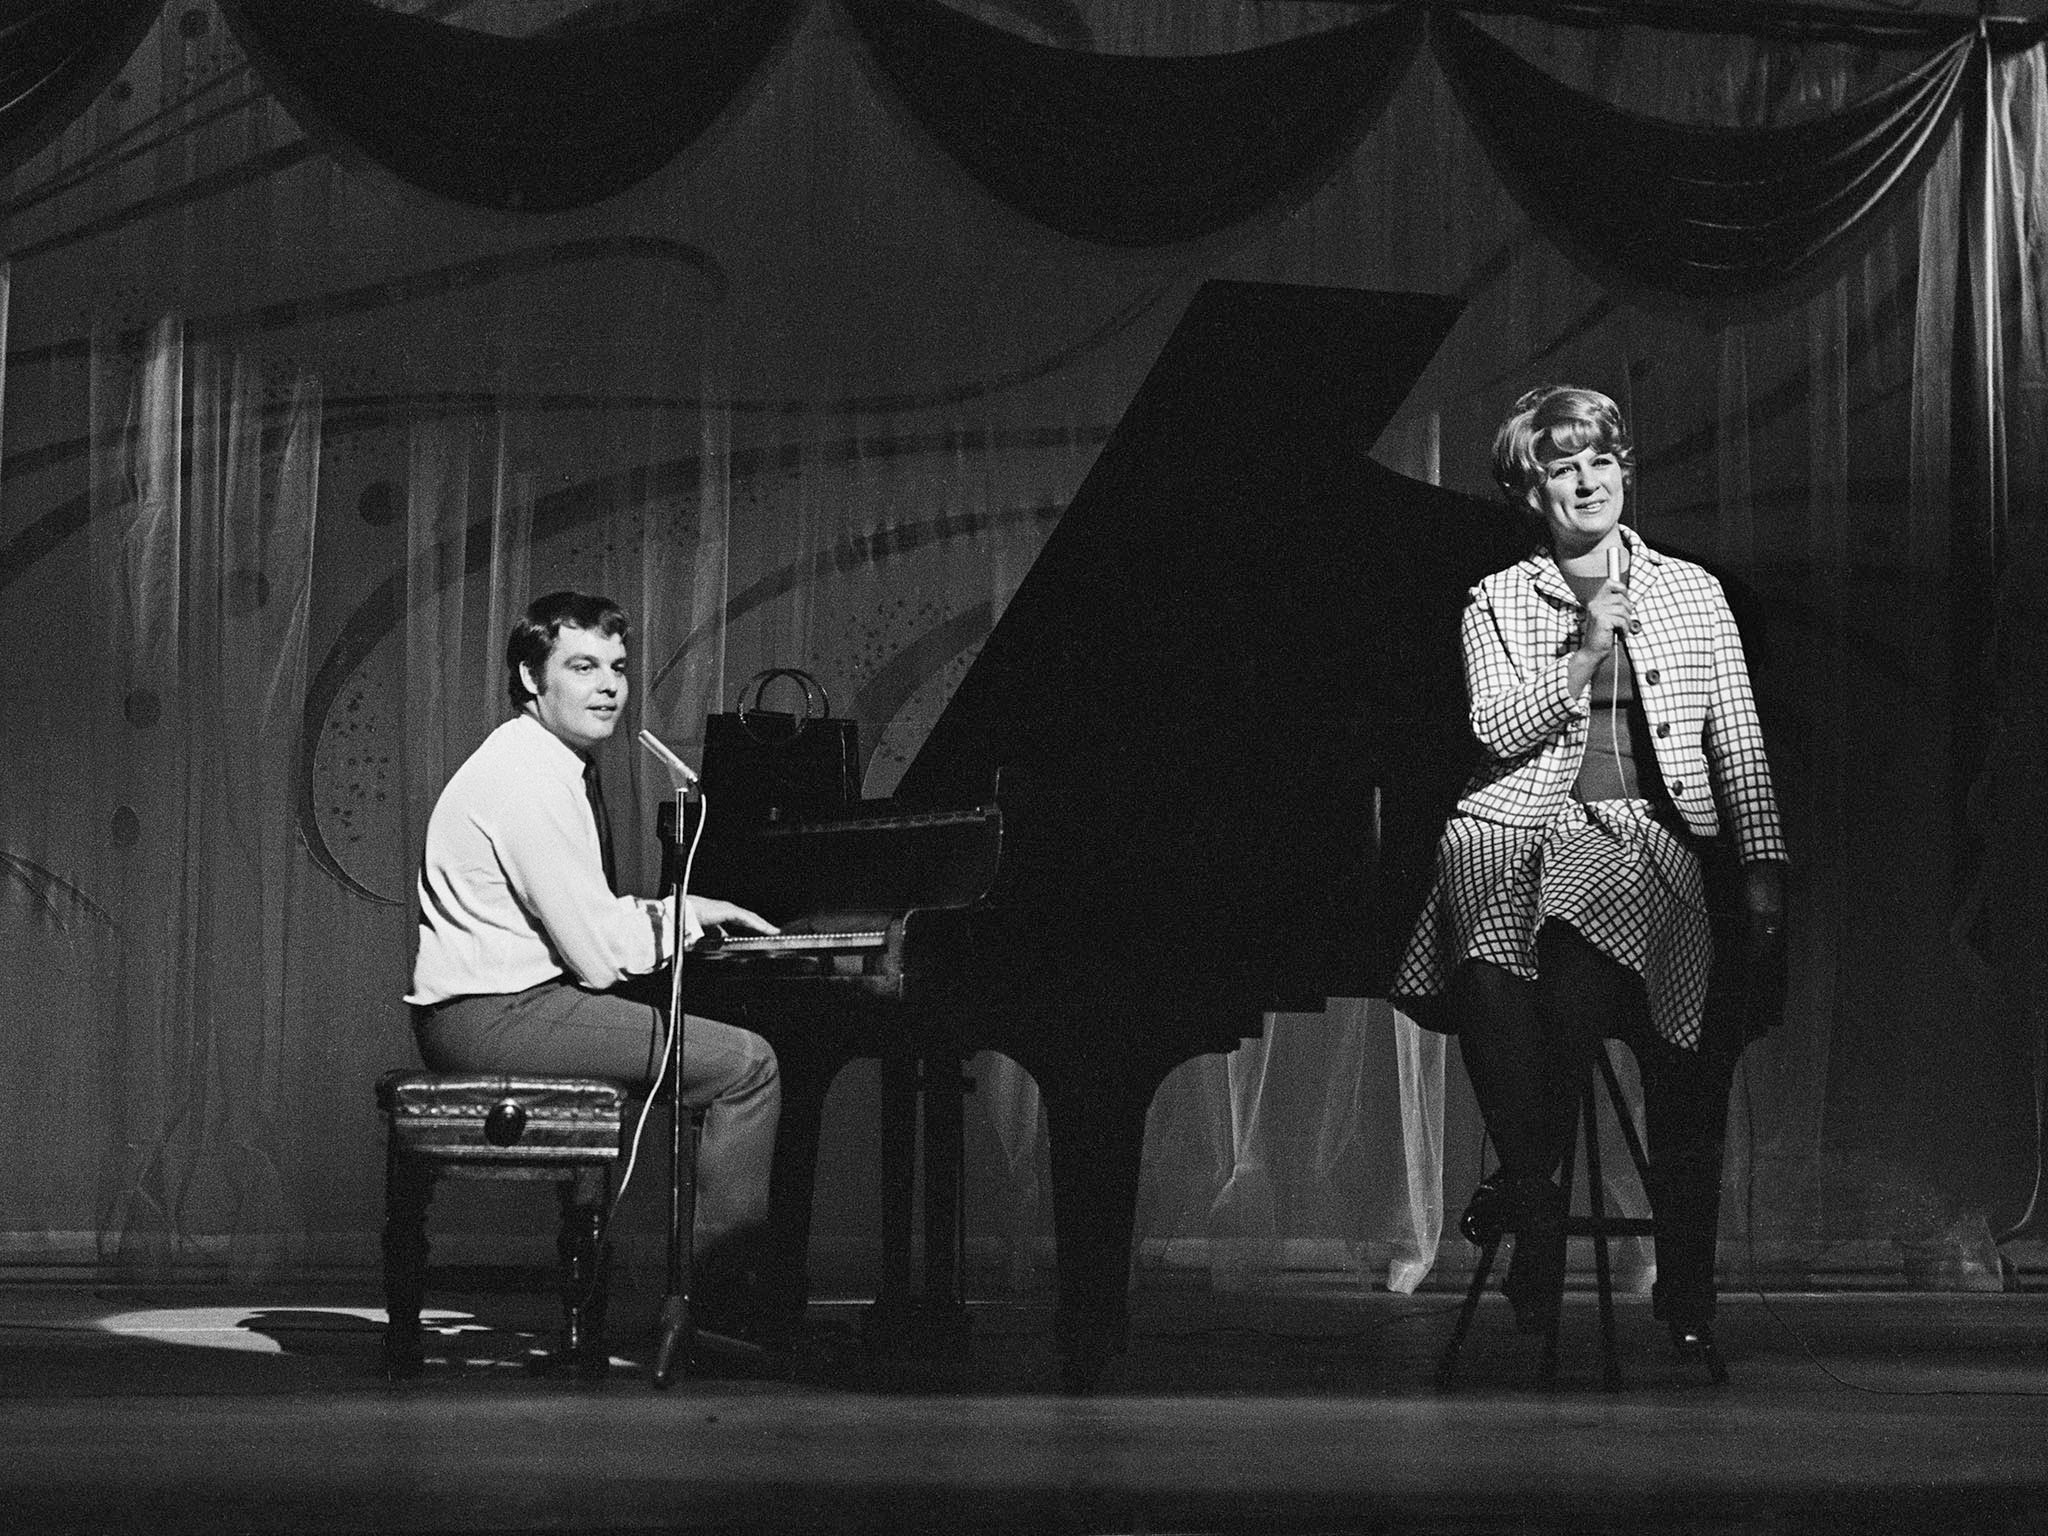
column 611, row 1205
column 2040, row 1116
column 675, row 1003
column 1756, row 1284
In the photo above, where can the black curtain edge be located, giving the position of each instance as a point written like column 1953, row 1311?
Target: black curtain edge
column 67, row 103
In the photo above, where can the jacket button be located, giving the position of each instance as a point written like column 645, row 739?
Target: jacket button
column 1663, row 727
column 1650, row 676
column 1678, row 786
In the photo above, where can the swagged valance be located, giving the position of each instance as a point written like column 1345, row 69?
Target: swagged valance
column 561, row 119
column 1127, row 150
column 1709, row 220
column 1119, row 150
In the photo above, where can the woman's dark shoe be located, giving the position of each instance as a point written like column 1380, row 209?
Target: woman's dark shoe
column 1534, row 1285
column 1692, row 1340
column 1488, row 1212
column 1680, row 1304
column 1695, row 1341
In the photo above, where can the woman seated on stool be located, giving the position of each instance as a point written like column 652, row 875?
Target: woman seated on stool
column 1609, row 693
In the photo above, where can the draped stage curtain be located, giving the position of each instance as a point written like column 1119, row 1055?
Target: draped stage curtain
column 559, row 119
column 794, row 327
column 1134, row 150
column 1731, row 221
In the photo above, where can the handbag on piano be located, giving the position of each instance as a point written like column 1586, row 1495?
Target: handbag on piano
column 781, row 765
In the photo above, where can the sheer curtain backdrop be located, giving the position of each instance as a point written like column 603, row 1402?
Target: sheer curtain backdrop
column 289, row 428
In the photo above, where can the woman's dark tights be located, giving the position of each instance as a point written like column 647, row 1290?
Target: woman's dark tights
column 1526, row 1046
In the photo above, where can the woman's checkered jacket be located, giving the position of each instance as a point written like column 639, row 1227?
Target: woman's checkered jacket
column 1520, row 629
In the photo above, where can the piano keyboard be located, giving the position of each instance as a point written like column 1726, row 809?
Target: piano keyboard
column 769, row 944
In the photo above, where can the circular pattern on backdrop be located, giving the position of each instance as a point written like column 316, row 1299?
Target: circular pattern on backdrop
column 247, row 591
column 378, row 503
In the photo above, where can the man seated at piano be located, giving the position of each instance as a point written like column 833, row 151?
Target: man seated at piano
column 530, row 962
column 1611, row 701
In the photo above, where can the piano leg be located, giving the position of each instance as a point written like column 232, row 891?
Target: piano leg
column 944, row 1083
column 921, row 1074
column 898, row 1131
column 784, row 1287
column 1096, row 1133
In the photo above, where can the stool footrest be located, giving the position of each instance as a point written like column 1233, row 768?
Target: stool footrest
column 1608, row 1226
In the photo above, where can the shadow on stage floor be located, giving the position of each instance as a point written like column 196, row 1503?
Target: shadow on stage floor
column 237, row 1409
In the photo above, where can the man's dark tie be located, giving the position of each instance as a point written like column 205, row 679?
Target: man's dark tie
column 595, row 790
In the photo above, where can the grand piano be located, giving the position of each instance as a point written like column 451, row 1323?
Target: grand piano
column 1194, row 775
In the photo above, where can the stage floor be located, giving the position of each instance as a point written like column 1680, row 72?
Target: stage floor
column 1309, row 1410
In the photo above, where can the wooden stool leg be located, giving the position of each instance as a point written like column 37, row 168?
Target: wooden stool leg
column 1447, row 1362
column 1546, row 1364
column 1589, row 1122
column 408, row 1187
column 585, row 1262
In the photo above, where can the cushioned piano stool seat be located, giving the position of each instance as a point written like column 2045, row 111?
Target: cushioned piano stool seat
column 562, row 1129
column 1595, row 1223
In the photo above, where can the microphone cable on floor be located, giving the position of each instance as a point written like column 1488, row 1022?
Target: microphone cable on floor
column 1756, row 1285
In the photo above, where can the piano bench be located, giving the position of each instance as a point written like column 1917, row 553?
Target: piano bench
column 563, row 1129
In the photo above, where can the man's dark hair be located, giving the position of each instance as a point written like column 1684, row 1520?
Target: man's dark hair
column 534, row 633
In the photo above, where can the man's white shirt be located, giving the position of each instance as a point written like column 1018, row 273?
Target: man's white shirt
column 511, row 888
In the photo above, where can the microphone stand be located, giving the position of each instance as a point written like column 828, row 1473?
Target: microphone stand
column 678, row 1332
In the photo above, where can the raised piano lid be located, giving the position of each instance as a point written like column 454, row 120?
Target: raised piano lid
column 1239, row 640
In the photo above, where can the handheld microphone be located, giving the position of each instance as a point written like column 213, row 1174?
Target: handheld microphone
column 1614, row 576
column 681, row 774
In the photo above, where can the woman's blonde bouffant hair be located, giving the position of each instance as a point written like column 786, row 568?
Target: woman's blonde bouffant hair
column 1553, row 422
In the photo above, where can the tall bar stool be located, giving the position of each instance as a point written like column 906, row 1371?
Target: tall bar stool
column 1595, row 1223
column 565, row 1130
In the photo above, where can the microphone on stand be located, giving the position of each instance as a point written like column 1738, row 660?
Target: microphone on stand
column 679, row 1333
column 682, row 776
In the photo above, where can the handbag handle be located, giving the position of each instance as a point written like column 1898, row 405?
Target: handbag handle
column 757, row 685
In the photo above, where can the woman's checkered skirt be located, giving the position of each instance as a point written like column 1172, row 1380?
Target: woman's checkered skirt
column 1610, row 869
